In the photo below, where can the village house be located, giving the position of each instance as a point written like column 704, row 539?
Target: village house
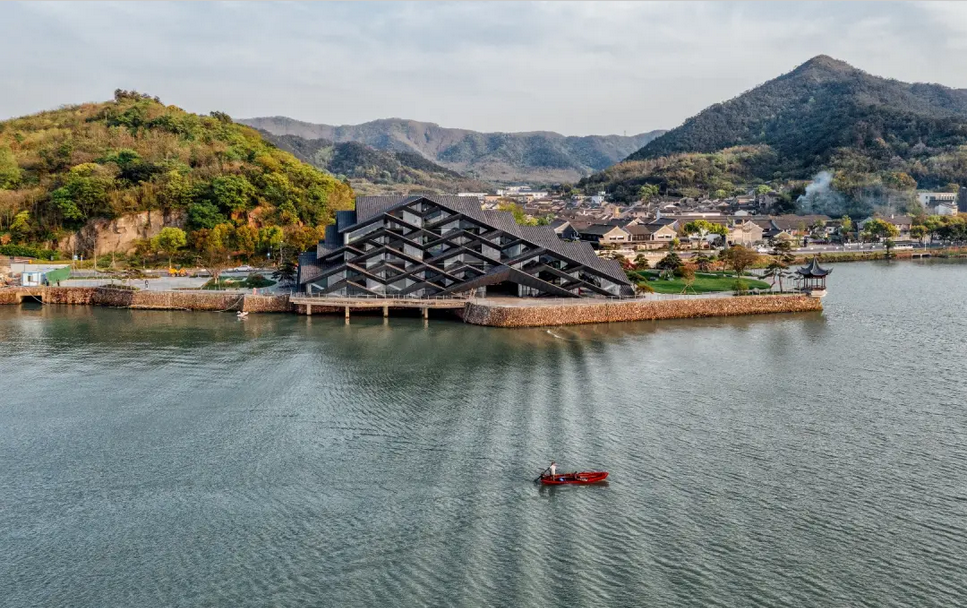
column 663, row 229
column 747, row 233
column 564, row 230
column 604, row 234
column 932, row 199
column 902, row 223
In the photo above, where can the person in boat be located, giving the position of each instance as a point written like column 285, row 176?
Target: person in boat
column 552, row 469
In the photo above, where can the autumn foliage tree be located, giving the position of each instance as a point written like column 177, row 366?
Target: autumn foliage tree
column 876, row 229
column 739, row 258
column 169, row 241
column 214, row 248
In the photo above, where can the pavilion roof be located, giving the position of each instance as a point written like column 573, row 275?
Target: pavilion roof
column 813, row 269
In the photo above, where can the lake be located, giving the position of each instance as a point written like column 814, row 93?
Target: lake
column 153, row 458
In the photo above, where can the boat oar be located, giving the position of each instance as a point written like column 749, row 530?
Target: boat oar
column 542, row 474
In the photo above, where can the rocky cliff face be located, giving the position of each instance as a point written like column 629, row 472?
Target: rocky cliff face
column 104, row 237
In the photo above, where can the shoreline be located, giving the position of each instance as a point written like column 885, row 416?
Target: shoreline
column 556, row 313
column 840, row 257
column 494, row 312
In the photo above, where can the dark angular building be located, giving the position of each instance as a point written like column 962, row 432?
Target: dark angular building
column 424, row 246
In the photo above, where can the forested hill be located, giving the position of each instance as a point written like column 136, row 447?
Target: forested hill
column 823, row 110
column 494, row 157
column 373, row 171
column 63, row 168
column 874, row 135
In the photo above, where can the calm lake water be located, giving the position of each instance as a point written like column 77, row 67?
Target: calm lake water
column 192, row 459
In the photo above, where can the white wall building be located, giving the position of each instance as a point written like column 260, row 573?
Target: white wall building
column 931, row 199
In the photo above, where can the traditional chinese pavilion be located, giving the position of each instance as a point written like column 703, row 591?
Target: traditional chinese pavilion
column 814, row 278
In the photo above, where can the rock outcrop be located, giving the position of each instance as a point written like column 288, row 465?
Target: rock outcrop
column 119, row 235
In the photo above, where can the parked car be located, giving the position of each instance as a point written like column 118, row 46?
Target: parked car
column 245, row 268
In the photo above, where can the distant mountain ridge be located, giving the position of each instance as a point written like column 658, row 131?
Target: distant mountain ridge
column 538, row 156
column 375, row 171
column 876, row 135
column 821, row 106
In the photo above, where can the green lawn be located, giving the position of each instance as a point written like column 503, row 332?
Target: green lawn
column 704, row 283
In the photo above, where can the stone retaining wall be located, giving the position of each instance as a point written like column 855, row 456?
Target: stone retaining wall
column 497, row 315
column 152, row 300
column 476, row 313
column 267, row 304
column 69, row 295
column 9, row 296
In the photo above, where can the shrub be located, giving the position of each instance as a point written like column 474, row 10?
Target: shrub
column 257, row 281
column 29, row 252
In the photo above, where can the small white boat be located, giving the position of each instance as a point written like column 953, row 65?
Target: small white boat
column 241, row 314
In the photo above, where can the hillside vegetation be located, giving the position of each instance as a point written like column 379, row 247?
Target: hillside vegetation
column 534, row 157
column 689, row 174
column 63, row 168
column 373, row 171
column 870, row 132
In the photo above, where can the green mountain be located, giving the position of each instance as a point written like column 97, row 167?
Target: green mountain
column 825, row 114
column 495, row 157
column 375, row 171
column 63, row 169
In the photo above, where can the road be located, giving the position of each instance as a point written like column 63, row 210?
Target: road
column 158, row 280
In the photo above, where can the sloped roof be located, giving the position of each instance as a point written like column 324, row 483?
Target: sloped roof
column 368, row 207
column 813, row 269
column 792, row 222
column 599, row 229
column 641, row 229
column 308, row 268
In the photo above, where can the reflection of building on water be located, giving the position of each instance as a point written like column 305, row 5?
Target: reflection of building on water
column 813, row 278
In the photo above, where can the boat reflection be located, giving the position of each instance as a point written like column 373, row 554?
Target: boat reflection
column 546, row 491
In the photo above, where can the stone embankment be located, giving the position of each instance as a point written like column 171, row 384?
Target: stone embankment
column 150, row 300
column 565, row 312
column 491, row 312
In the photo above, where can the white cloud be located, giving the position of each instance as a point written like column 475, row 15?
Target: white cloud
column 570, row 67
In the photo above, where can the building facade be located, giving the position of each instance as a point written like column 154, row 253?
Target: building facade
column 426, row 246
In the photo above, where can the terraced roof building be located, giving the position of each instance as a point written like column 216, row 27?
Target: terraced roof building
column 424, row 246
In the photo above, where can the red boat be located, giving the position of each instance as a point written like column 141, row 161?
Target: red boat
column 582, row 478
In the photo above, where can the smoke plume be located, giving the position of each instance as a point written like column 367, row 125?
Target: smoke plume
column 820, row 198
column 874, row 197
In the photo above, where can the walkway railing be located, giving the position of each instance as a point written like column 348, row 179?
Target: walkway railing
column 329, row 296
column 540, row 300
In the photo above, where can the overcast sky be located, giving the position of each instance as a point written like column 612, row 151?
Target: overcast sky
column 574, row 68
